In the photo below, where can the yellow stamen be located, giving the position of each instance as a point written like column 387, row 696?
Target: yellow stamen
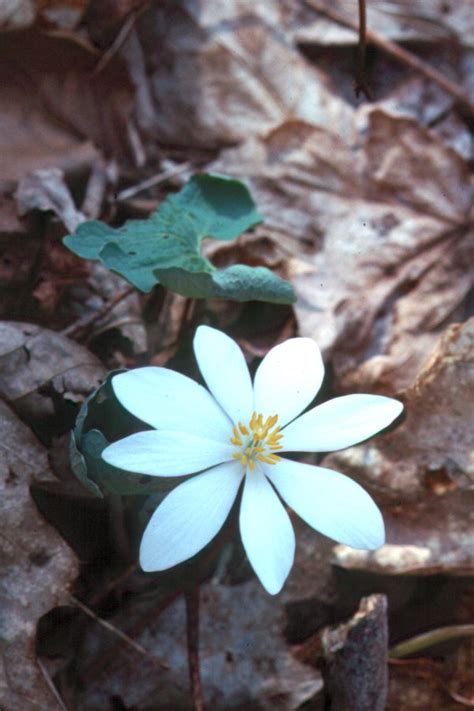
column 257, row 441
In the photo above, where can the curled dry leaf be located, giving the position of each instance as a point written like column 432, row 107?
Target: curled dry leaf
column 37, row 568
column 379, row 234
column 231, row 71
column 45, row 190
column 40, row 369
column 239, row 668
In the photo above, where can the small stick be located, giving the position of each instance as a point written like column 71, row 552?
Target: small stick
column 90, row 320
column 361, row 86
column 463, row 104
column 154, row 180
column 118, row 633
column 192, row 631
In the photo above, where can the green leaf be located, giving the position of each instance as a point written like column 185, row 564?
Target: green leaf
column 112, row 479
column 100, row 420
column 166, row 248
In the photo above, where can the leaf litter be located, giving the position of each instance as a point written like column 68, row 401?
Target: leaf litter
column 367, row 211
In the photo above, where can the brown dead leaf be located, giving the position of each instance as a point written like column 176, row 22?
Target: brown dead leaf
column 239, row 668
column 40, row 370
column 230, row 72
column 37, row 568
column 54, row 107
column 378, row 231
column 431, row 453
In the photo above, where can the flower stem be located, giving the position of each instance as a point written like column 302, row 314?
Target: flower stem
column 192, row 630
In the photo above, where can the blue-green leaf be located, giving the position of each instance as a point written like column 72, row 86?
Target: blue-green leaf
column 166, row 248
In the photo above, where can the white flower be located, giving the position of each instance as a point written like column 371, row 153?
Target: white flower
column 237, row 433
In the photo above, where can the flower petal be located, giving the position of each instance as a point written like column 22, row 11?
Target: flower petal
column 329, row 502
column 189, row 517
column 162, row 453
column 168, row 400
column 288, row 378
column 340, row 423
column 267, row 533
column 225, row 371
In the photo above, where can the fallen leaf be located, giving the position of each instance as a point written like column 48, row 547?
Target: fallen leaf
column 37, row 568
column 430, row 453
column 379, row 238
column 239, row 669
column 40, row 371
column 425, row 538
column 46, row 190
column 231, row 72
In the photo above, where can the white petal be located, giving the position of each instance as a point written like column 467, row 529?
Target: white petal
column 225, row 371
column 168, row 400
column 189, row 517
column 329, row 502
column 340, row 423
column 288, row 379
column 162, row 453
column 267, row 533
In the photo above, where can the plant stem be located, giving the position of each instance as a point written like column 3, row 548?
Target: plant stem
column 429, row 639
column 192, row 630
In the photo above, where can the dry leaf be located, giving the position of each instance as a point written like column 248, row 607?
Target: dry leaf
column 431, row 452
column 230, row 72
column 40, row 369
column 239, row 668
column 46, row 190
column 37, row 568
column 379, row 234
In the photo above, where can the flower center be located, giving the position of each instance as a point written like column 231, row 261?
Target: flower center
column 257, row 441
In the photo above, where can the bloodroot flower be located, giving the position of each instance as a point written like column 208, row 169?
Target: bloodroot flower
column 235, row 433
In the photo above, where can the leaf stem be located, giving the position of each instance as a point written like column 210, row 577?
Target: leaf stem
column 192, row 630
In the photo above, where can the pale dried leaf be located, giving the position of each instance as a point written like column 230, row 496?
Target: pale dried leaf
column 378, row 231
column 230, row 72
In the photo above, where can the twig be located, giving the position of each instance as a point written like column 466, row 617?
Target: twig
column 95, row 191
column 428, row 639
column 51, row 685
column 88, row 321
column 118, row 633
column 154, row 180
column 361, row 86
column 463, row 104
column 192, row 630
column 119, row 40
